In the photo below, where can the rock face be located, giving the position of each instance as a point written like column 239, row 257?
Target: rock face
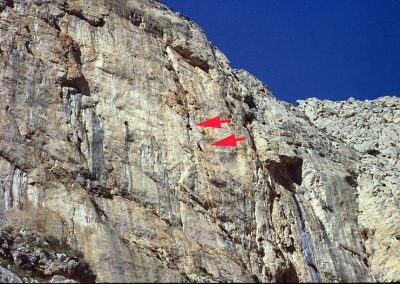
column 98, row 146
column 373, row 129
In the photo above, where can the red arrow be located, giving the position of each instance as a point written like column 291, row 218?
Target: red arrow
column 214, row 122
column 229, row 141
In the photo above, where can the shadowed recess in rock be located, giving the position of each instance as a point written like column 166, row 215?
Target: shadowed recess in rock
column 287, row 171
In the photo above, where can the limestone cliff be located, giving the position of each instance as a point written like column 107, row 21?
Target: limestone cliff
column 98, row 147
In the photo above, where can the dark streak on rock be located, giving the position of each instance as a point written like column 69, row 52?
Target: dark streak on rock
column 28, row 48
column 15, row 70
column 305, row 239
column 97, row 146
column 128, row 171
column 100, row 212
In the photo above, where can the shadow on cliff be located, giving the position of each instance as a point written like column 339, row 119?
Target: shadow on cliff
column 287, row 171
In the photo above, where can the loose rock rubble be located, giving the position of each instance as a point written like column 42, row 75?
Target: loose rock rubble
column 41, row 260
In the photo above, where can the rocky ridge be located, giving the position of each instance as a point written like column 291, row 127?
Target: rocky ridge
column 98, row 146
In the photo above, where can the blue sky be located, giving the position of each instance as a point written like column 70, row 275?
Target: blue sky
column 331, row 49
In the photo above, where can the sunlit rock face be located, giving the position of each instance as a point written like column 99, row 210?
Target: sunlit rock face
column 373, row 129
column 99, row 146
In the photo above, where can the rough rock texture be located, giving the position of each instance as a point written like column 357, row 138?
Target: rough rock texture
column 98, row 146
column 41, row 260
column 6, row 276
column 373, row 129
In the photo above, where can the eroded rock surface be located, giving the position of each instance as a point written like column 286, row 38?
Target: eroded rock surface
column 373, row 129
column 6, row 276
column 42, row 260
column 98, row 146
